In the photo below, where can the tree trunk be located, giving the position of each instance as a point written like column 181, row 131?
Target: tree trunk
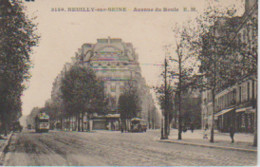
column 180, row 128
column 5, row 125
column 175, row 119
column 78, row 122
column 88, row 116
column 125, row 127
column 69, row 123
column 153, row 123
column 61, row 125
column 166, row 125
column 212, row 119
column 162, row 135
column 82, row 122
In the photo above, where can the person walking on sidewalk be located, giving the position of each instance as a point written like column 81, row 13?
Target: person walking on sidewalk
column 191, row 127
column 205, row 133
column 232, row 132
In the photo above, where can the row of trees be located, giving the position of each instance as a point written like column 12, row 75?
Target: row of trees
column 203, row 55
column 78, row 93
column 17, row 37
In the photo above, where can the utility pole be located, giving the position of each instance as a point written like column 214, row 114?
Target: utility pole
column 165, row 120
column 179, row 93
column 213, row 91
column 166, row 115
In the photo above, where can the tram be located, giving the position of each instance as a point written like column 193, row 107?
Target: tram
column 138, row 125
column 42, row 123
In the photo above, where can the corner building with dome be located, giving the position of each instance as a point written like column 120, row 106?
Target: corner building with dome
column 116, row 63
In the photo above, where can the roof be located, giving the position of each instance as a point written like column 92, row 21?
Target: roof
column 43, row 116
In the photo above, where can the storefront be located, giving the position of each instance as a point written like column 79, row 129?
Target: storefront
column 245, row 119
column 112, row 121
column 99, row 123
column 225, row 118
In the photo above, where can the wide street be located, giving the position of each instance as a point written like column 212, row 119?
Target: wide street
column 101, row 148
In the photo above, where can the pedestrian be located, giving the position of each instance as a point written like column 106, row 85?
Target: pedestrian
column 192, row 127
column 205, row 134
column 184, row 129
column 232, row 133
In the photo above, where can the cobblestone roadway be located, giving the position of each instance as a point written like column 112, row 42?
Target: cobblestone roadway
column 114, row 149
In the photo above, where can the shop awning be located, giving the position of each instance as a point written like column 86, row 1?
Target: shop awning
column 253, row 110
column 246, row 109
column 113, row 116
column 223, row 112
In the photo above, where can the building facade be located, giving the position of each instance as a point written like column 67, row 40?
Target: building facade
column 116, row 63
column 237, row 104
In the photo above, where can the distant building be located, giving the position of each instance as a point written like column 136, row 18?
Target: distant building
column 116, row 63
column 236, row 103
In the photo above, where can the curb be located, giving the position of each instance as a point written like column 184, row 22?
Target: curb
column 2, row 154
column 206, row 145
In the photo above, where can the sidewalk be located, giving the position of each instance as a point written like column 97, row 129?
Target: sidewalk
column 243, row 141
column 3, row 145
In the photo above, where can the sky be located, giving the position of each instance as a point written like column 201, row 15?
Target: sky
column 63, row 33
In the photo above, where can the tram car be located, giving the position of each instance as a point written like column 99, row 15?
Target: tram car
column 138, row 125
column 42, row 123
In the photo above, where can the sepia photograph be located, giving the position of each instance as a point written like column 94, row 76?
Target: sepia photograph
column 128, row 83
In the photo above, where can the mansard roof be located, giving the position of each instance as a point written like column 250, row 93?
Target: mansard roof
column 108, row 45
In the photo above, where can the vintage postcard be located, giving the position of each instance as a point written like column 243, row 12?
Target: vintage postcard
column 128, row 83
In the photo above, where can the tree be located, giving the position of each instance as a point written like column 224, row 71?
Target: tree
column 56, row 100
column 129, row 102
column 51, row 110
column 192, row 108
column 215, row 28
column 17, row 37
column 31, row 117
column 165, row 96
column 186, row 65
column 82, row 93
